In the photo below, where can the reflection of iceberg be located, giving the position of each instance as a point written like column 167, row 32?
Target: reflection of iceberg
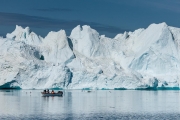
column 143, row 59
column 19, row 104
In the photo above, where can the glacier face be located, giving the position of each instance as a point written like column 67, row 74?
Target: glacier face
column 145, row 58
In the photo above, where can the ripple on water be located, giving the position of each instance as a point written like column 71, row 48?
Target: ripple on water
column 97, row 116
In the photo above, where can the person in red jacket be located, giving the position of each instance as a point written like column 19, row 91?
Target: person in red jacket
column 52, row 92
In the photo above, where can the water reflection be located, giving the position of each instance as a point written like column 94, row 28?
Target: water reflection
column 83, row 104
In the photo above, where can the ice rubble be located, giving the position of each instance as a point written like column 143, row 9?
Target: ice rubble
column 143, row 59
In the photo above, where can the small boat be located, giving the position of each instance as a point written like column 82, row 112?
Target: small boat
column 52, row 94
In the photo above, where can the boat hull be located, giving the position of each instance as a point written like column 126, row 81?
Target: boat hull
column 50, row 94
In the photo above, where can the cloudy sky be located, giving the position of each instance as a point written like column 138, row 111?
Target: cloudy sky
column 108, row 17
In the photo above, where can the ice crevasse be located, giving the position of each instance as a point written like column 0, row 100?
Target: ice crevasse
column 144, row 59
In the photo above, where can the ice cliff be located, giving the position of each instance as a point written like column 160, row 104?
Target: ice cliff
column 144, row 59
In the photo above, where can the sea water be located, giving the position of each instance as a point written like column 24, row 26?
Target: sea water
column 90, row 105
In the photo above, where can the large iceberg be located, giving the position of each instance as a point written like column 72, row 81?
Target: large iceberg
column 143, row 59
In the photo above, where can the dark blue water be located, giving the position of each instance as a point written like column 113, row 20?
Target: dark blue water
column 83, row 105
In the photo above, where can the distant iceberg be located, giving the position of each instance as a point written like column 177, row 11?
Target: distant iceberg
column 144, row 59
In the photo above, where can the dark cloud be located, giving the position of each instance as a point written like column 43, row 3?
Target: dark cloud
column 53, row 9
column 12, row 19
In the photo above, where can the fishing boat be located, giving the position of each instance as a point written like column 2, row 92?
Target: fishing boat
column 60, row 93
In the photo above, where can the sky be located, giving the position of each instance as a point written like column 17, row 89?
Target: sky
column 108, row 17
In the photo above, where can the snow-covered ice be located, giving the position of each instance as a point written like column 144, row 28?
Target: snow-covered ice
column 145, row 58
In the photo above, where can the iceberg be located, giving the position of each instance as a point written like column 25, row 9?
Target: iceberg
column 144, row 59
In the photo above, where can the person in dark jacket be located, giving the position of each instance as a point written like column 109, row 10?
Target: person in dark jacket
column 44, row 91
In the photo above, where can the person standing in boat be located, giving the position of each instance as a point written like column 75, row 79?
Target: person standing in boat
column 44, row 91
column 52, row 92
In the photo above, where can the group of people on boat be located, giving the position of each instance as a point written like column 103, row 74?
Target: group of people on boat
column 52, row 92
column 47, row 91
